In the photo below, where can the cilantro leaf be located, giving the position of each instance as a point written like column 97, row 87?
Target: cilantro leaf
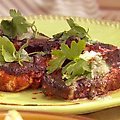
column 8, row 53
column 14, row 13
column 58, row 35
column 56, row 63
column 76, row 67
column 76, row 27
column 8, row 28
column 7, row 56
column 75, row 30
column 75, row 50
column 1, row 58
column 67, row 51
column 7, row 44
column 16, row 26
column 21, row 56
column 21, row 25
column 7, row 50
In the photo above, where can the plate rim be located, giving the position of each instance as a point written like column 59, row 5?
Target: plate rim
column 92, row 21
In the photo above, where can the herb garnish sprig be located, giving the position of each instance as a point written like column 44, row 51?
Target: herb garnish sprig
column 8, row 52
column 76, row 67
column 75, row 30
column 17, row 26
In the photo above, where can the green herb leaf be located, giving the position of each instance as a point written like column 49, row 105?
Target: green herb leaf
column 66, row 51
column 58, row 35
column 8, row 52
column 14, row 13
column 7, row 56
column 77, row 68
column 56, row 63
column 22, row 55
column 75, row 50
column 21, row 25
column 24, row 46
column 1, row 59
column 76, row 27
column 15, row 27
column 75, row 30
column 7, row 44
column 8, row 28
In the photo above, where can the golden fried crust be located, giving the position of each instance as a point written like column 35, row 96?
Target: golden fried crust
column 11, row 83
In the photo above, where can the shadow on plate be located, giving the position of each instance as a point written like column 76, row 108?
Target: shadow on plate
column 107, row 114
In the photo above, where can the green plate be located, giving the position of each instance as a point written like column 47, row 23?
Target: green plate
column 34, row 100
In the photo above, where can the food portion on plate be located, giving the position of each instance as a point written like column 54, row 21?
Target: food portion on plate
column 67, row 66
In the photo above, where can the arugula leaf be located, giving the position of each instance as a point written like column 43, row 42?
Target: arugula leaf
column 15, row 27
column 8, row 53
column 75, row 30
